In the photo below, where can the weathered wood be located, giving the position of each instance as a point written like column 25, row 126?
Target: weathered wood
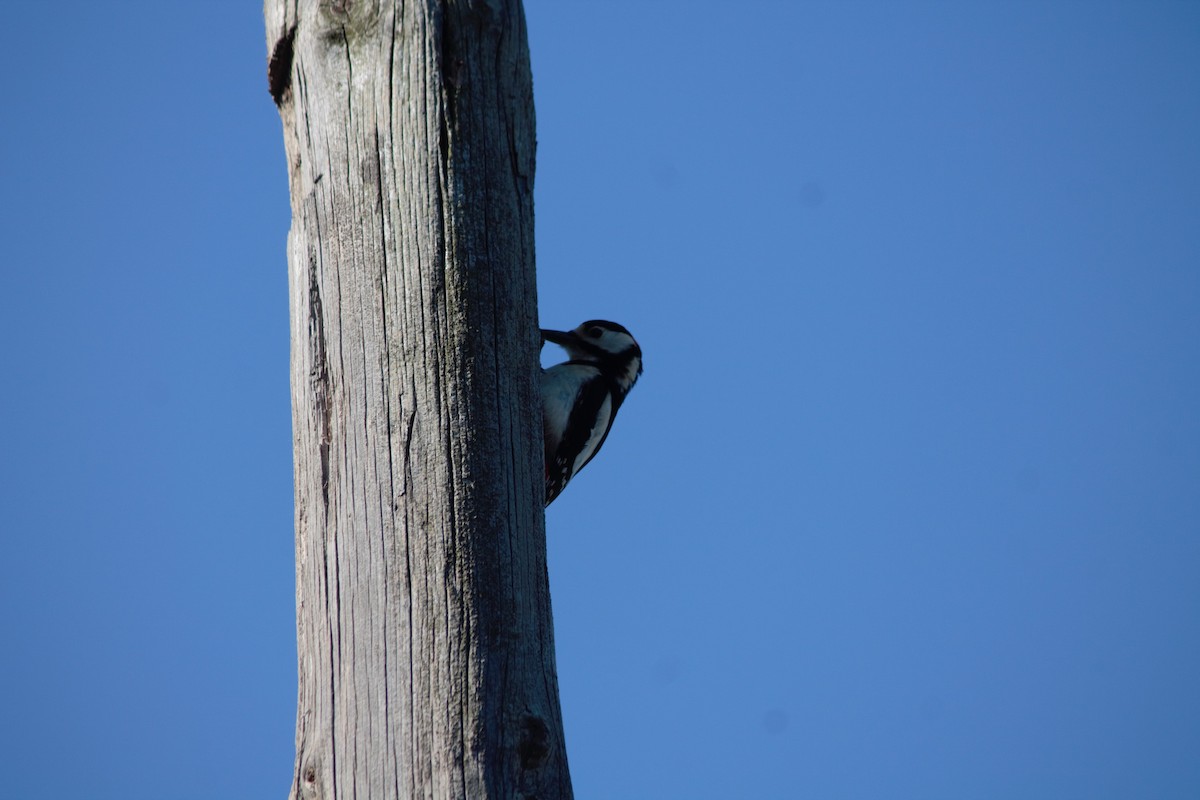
column 423, row 611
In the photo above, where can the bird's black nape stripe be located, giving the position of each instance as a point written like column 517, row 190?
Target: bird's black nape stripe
column 605, row 375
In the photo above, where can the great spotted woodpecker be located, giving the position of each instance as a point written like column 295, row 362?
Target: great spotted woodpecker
column 581, row 396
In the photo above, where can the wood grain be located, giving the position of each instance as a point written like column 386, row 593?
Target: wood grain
column 424, row 627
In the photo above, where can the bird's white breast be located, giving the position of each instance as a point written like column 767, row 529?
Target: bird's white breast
column 560, row 385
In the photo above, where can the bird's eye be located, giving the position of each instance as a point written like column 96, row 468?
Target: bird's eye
column 595, row 331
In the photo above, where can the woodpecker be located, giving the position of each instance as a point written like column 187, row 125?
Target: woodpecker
column 581, row 396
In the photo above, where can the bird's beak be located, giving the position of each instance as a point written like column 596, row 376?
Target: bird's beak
column 558, row 337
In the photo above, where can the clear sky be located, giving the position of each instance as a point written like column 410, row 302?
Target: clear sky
column 906, row 505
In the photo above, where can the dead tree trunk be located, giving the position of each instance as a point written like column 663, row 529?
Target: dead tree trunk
column 423, row 610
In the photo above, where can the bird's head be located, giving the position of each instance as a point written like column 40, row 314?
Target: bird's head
column 606, row 344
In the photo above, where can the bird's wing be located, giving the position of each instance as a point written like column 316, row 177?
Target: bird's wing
column 582, row 440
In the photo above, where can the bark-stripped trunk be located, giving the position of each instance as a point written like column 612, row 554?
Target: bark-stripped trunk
column 423, row 610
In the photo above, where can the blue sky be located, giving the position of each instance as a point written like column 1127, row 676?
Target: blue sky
column 910, row 489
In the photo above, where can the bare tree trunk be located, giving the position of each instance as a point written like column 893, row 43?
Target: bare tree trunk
column 423, row 609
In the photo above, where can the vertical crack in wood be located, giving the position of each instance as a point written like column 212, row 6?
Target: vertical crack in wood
column 319, row 375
